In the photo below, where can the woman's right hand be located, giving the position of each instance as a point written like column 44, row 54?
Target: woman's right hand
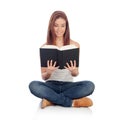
column 51, row 66
column 47, row 71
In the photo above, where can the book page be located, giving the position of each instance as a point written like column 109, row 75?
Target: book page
column 66, row 47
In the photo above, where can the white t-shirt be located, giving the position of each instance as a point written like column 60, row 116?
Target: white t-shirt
column 61, row 75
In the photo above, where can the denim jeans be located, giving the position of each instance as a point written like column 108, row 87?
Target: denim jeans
column 61, row 93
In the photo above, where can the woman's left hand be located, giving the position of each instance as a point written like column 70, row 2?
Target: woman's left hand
column 72, row 67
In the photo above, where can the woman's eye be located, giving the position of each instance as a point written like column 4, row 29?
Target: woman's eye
column 55, row 25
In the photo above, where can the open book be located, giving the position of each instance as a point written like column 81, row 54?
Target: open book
column 60, row 55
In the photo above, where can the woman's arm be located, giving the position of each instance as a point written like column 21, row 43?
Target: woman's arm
column 75, row 72
column 44, row 74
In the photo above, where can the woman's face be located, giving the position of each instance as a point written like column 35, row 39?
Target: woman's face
column 59, row 27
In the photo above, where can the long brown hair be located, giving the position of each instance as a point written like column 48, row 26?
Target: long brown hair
column 51, row 35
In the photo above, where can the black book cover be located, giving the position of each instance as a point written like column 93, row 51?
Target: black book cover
column 61, row 56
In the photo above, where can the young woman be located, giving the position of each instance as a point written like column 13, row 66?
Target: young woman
column 59, row 88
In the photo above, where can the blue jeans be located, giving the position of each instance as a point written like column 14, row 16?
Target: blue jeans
column 61, row 93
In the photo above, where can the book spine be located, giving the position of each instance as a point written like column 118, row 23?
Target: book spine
column 60, row 59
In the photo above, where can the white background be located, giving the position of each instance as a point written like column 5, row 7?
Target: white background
column 95, row 24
